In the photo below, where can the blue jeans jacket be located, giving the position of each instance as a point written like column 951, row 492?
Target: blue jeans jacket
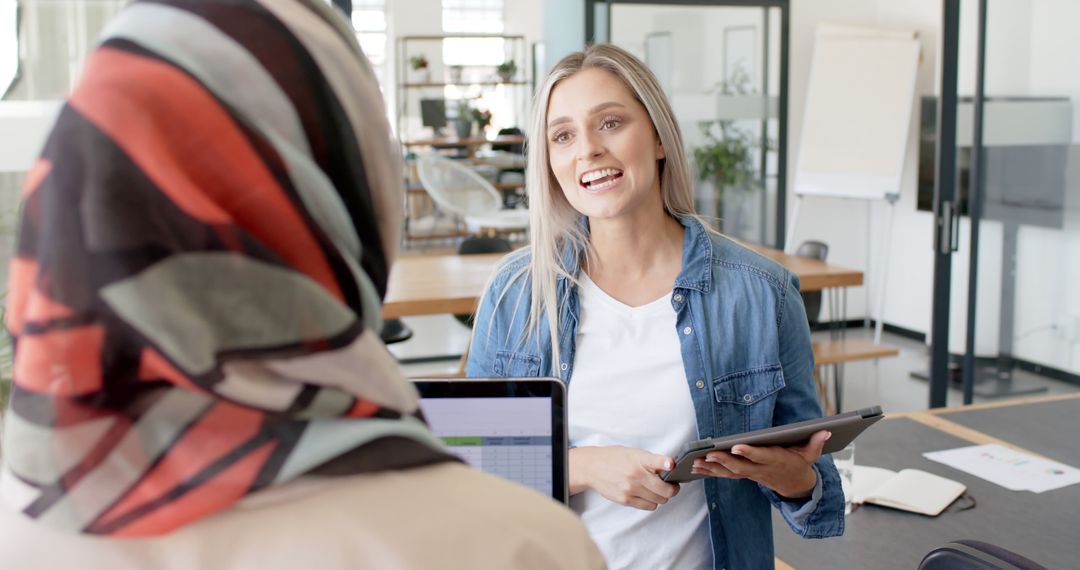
column 746, row 351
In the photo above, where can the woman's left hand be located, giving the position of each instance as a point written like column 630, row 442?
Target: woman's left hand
column 786, row 470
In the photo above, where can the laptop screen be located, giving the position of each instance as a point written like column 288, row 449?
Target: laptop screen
column 509, row 428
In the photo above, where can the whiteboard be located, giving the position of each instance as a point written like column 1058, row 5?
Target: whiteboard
column 858, row 112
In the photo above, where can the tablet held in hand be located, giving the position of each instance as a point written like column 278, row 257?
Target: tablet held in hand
column 844, row 428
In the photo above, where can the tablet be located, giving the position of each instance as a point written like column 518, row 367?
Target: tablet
column 844, row 427
column 513, row 428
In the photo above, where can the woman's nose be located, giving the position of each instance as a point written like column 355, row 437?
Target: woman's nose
column 589, row 147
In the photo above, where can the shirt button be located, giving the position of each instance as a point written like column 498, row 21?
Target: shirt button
column 700, row 384
column 563, row 367
column 747, row 397
column 713, row 506
column 687, row 330
column 678, row 298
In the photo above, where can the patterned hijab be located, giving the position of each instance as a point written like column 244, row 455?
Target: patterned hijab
column 204, row 246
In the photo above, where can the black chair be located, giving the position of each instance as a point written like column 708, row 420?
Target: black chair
column 394, row 330
column 511, row 198
column 480, row 244
column 812, row 299
column 975, row 555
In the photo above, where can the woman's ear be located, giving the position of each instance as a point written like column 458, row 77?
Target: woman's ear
column 659, row 149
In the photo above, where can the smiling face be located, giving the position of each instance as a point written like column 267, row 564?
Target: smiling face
column 602, row 147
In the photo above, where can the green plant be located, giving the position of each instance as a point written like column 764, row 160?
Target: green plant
column 482, row 117
column 418, row 62
column 726, row 159
column 506, row 69
column 464, row 111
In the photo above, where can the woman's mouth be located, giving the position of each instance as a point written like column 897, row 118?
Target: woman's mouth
column 600, row 179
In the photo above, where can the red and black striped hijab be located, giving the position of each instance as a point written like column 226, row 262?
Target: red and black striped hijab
column 195, row 298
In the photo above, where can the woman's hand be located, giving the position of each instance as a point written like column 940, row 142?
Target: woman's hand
column 624, row 475
column 786, row 470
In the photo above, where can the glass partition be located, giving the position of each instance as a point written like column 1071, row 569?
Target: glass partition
column 1014, row 312
column 720, row 67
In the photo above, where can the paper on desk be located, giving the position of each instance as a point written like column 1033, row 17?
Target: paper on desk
column 1009, row 468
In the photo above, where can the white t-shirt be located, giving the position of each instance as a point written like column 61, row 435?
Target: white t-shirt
column 629, row 388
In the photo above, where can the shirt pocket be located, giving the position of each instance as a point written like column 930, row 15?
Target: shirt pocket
column 516, row 364
column 745, row 399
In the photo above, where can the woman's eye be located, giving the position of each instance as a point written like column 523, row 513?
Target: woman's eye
column 560, row 137
column 610, row 123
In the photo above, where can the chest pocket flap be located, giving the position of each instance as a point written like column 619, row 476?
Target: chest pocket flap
column 747, row 387
column 516, row 364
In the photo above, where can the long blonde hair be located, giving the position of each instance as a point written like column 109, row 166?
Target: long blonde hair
column 555, row 226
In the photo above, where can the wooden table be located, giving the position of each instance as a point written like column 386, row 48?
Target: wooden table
column 453, row 284
column 1039, row 526
column 814, row 275
column 439, row 284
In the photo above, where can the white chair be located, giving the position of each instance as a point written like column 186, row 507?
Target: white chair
column 461, row 192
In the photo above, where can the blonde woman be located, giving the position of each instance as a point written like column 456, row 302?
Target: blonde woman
column 664, row 331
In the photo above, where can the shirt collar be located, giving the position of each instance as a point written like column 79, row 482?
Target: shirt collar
column 696, row 257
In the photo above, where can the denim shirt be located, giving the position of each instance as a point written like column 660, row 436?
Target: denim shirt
column 746, row 351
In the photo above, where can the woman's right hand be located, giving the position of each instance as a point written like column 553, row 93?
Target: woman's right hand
column 624, row 475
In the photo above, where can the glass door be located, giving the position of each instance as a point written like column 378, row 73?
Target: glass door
column 1014, row 322
column 723, row 70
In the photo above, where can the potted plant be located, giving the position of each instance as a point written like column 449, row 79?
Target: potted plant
column 482, row 118
column 724, row 164
column 506, row 70
column 464, row 121
column 421, row 71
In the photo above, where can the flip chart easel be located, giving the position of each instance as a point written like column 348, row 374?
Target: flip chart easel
column 855, row 131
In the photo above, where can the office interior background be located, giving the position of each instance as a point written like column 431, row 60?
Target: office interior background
column 737, row 73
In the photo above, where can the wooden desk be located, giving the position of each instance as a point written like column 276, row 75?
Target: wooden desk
column 439, row 284
column 426, row 285
column 1040, row 526
column 814, row 275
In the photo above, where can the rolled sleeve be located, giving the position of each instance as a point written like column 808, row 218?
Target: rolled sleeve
column 812, row 517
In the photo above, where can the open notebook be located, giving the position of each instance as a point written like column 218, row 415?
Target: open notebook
column 909, row 490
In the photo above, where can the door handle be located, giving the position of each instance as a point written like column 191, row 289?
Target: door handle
column 945, row 228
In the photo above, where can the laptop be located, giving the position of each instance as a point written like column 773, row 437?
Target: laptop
column 513, row 428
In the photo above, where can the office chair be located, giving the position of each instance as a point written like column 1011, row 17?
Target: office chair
column 812, row 299
column 975, row 555
column 462, row 192
column 511, row 198
column 476, row 245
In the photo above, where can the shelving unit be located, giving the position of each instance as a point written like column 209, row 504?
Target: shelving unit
column 477, row 79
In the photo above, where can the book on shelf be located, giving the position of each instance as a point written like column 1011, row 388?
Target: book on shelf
column 908, row 490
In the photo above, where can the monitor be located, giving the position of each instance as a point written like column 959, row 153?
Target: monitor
column 514, row 428
column 433, row 114
column 1026, row 141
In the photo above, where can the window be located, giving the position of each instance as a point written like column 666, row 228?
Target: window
column 473, row 17
column 369, row 23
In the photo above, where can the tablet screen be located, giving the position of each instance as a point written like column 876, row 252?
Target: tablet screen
column 501, row 429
